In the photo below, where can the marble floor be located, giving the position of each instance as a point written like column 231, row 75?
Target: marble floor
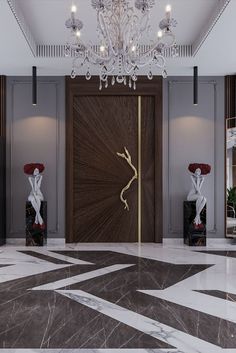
column 102, row 298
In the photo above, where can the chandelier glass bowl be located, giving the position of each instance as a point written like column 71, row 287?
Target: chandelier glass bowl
column 124, row 43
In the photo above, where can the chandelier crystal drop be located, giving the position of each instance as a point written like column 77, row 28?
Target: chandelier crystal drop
column 124, row 45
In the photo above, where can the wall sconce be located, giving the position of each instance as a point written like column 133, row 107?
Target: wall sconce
column 34, row 85
column 195, row 85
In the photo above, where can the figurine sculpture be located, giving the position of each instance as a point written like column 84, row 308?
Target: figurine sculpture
column 198, row 170
column 34, row 171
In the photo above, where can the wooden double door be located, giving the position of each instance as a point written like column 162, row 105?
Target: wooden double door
column 114, row 162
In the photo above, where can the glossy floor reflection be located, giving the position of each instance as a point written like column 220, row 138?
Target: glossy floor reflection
column 94, row 298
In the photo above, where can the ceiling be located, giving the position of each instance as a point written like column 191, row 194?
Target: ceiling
column 205, row 26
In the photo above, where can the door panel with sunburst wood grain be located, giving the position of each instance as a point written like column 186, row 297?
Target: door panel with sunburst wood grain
column 104, row 157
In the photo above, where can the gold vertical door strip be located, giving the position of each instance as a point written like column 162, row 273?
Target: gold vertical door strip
column 139, row 169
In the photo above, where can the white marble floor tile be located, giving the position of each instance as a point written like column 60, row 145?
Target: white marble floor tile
column 22, row 270
column 82, row 277
column 207, row 304
column 62, row 257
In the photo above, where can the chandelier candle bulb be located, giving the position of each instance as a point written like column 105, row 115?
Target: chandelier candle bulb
column 73, row 9
column 168, row 11
column 159, row 34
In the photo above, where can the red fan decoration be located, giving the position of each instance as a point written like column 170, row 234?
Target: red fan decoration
column 205, row 168
column 29, row 168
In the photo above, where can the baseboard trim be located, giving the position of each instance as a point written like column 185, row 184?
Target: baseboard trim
column 172, row 241
column 21, row 241
column 210, row 241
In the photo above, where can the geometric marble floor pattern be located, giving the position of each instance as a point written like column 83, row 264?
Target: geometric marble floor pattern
column 91, row 298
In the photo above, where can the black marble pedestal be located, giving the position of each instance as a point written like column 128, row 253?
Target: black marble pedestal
column 35, row 236
column 193, row 235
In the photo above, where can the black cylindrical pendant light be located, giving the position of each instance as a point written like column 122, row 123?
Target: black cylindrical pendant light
column 195, row 85
column 34, row 85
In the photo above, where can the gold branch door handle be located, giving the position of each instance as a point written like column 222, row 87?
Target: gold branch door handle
column 128, row 159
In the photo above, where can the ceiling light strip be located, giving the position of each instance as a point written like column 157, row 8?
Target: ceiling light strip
column 34, row 85
column 220, row 8
column 15, row 9
column 195, row 85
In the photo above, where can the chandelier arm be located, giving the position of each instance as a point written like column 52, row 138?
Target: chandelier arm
column 108, row 71
column 135, row 41
column 105, row 32
column 95, row 58
column 125, row 21
column 133, row 35
column 153, row 48
column 147, row 17
column 161, row 57
column 82, row 61
column 139, row 31
column 75, row 65
column 138, row 60
column 92, row 53
column 127, row 37
column 128, row 71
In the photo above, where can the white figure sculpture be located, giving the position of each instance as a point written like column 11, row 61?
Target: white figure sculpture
column 197, row 171
column 36, row 196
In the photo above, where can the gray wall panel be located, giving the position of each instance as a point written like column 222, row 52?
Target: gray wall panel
column 193, row 134
column 35, row 134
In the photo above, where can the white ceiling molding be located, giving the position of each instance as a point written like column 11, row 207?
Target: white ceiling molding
column 220, row 8
column 15, row 8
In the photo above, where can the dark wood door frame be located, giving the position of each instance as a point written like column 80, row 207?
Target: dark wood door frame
column 3, row 159
column 80, row 87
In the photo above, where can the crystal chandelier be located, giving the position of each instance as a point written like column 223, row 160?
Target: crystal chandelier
column 123, row 31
